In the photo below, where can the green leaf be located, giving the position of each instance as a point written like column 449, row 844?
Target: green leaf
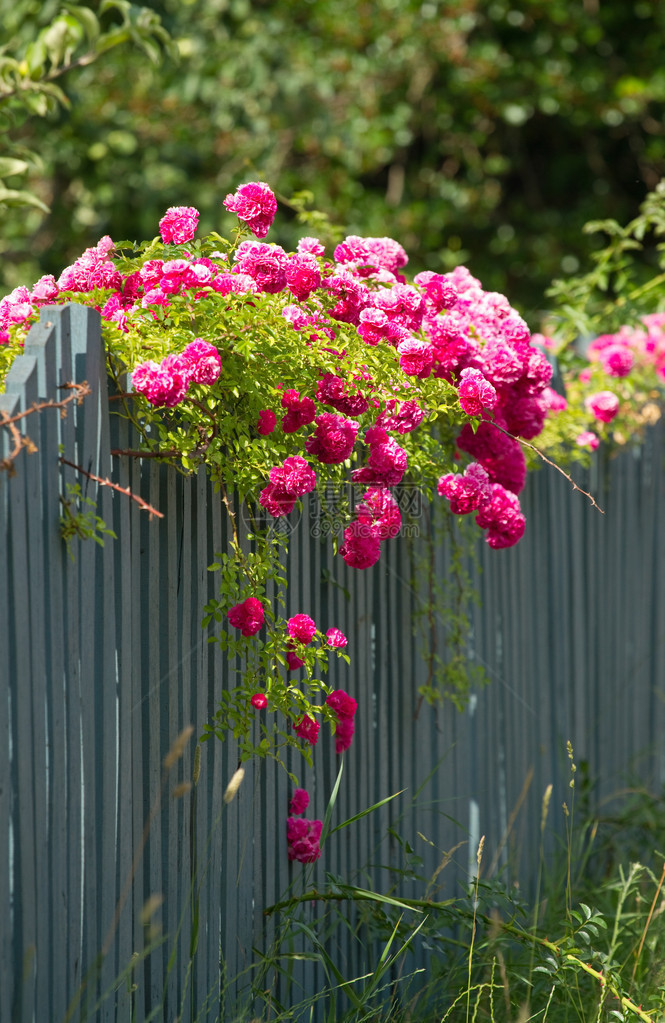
column 19, row 197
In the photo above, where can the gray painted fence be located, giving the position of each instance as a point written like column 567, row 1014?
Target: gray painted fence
column 103, row 662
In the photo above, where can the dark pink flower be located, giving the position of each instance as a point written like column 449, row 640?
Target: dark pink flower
column 293, row 662
column 416, row 357
column 259, row 701
column 247, row 616
column 288, row 482
column 178, row 225
column 302, row 628
column 440, row 293
column 299, row 802
column 379, row 510
column 344, row 734
column 254, row 203
column 501, row 516
column 465, row 492
column 604, row 405
column 204, row 361
column 264, row 263
column 300, row 411
column 267, row 422
column 343, row 704
column 362, row 545
column 303, row 275
column 401, row 418
column 333, row 439
column 303, row 838
column 308, row 729
column 476, row 393
column 161, row 383
column 617, row 360
column 499, row 455
column 332, row 391
column 335, row 638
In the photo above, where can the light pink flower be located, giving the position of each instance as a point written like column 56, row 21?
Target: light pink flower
column 604, row 405
column 587, row 439
column 335, row 638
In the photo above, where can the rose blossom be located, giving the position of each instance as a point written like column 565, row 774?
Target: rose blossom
column 336, row 638
column 604, row 405
column 303, row 839
column 178, row 225
column 465, row 492
column 162, row 384
column 204, row 360
column 308, row 729
column 587, row 439
column 302, row 628
column 267, row 422
column 299, row 802
column 476, row 393
column 247, row 616
column 300, row 411
column 333, row 440
column 259, row 701
column 254, row 203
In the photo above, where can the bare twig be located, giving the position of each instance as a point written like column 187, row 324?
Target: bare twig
column 104, row 482
column 80, row 391
column 548, row 461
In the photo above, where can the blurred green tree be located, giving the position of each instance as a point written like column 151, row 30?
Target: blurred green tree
column 483, row 132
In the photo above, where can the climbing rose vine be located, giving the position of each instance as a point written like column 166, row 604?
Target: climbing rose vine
column 289, row 374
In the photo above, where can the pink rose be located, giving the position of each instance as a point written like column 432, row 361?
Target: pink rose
column 178, row 225
column 604, row 405
column 302, row 628
column 308, row 729
column 254, row 203
column 299, row 802
column 247, row 616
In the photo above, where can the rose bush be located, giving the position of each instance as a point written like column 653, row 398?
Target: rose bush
column 285, row 374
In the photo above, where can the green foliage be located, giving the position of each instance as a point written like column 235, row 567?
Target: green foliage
column 79, row 519
column 444, row 611
column 492, row 131
column 43, row 46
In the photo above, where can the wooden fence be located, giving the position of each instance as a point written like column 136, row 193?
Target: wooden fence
column 103, row 663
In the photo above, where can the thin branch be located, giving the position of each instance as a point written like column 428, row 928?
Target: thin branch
column 80, row 391
column 104, row 482
column 548, row 461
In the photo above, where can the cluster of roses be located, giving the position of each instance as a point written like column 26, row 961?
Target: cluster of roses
column 303, row 835
column 249, row 618
column 443, row 326
column 611, row 359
